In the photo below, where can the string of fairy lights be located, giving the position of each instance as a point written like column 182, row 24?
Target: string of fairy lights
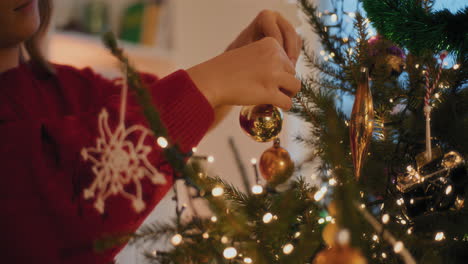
column 230, row 251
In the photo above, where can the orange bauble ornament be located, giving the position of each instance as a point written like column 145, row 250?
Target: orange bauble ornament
column 276, row 165
column 340, row 255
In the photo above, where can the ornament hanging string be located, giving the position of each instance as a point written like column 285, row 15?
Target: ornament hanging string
column 427, row 106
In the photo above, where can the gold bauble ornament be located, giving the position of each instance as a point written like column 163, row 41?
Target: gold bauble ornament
column 340, row 255
column 276, row 165
column 361, row 124
column 261, row 122
column 329, row 234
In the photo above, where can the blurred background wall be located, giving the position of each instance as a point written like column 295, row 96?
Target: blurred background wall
column 182, row 34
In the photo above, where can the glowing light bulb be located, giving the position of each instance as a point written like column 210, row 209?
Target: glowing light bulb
column 334, row 18
column 322, row 52
column 398, row 247
column 288, row 248
column 210, row 159
column 194, row 149
column 224, row 239
column 456, row 66
column 217, row 191
column 214, row 219
column 328, row 218
column 297, row 234
column 248, row 260
column 448, row 190
column 206, row 235
column 230, row 253
column 253, row 161
column 409, row 231
column 267, row 218
column 257, row 189
column 332, row 182
column 321, row 221
column 162, row 142
column 384, row 255
column 439, row 236
column 375, row 237
column 385, row 218
column 176, row 239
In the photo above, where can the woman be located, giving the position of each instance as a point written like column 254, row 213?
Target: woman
column 48, row 113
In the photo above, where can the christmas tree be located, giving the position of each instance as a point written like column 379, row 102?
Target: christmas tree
column 393, row 171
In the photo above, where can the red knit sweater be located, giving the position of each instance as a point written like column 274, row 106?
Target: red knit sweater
column 44, row 123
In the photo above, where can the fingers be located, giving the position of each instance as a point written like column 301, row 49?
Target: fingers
column 288, row 65
column 288, row 84
column 267, row 25
column 292, row 42
column 282, row 101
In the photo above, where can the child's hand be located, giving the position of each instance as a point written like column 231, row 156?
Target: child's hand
column 259, row 73
column 271, row 24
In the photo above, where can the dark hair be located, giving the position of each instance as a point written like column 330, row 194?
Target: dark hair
column 32, row 45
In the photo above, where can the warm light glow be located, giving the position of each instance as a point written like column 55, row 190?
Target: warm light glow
column 297, row 234
column 328, row 218
column 162, row 142
column 210, row 159
column 375, row 237
column 409, row 231
column 333, row 18
column 253, row 161
column 398, row 247
column 267, row 218
column 320, row 193
column 352, row 14
column 288, row 248
column 456, row 66
column 176, row 240
column 230, row 253
column 321, row 221
column 448, row 190
column 322, row 52
column 217, row 191
column 384, row 255
column 400, row 201
column 247, row 260
column 214, row 219
column 411, row 201
column 224, row 239
column 439, row 236
column 206, row 235
column 385, row 218
column 257, row 189
column 332, row 182
column 416, row 66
